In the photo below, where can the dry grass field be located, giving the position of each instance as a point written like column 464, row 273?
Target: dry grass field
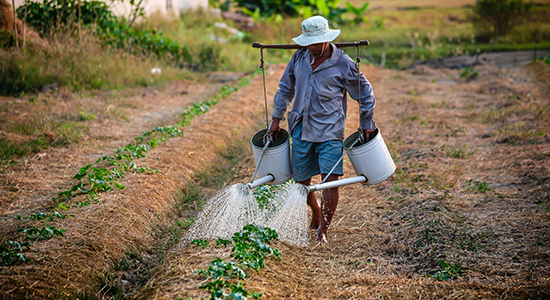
column 465, row 216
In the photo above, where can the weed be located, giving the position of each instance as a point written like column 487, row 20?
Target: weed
column 109, row 287
column 545, row 204
column 448, row 272
column 468, row 73
column 428, row 237
column 477, row 186
column 84, row 116
column 457, row 151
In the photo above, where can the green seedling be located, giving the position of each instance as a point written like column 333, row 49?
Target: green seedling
column 250, row 247
column 223, row 243
column 449, row 272
column 477, row 186
column 43, row 216
column 11, row 253
column 45, row 233
column 200, row 243
column 220, row 269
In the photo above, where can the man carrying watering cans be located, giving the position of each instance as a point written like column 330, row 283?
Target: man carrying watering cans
column 319, row 77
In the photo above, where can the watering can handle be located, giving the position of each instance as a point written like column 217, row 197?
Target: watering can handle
column 360, row 138
column 269, row 140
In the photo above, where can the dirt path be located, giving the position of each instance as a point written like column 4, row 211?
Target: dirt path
column 469, row 200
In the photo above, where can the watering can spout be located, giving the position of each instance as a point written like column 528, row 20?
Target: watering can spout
column 335, row 183
column 260, row 181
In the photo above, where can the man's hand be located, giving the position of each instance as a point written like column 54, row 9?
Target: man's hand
column 369, row 134
column 274, row 128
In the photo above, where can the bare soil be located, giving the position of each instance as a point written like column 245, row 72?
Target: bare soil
column 470, row 198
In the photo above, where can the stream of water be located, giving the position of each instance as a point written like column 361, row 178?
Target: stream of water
column 235, row 206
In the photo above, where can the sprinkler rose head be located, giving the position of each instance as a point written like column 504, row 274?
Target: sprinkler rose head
column 244, row 189
column 306, row 189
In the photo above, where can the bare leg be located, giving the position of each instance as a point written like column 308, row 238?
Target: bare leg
column 329, row 203
column 315, row 209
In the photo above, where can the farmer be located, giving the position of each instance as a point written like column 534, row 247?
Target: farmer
column 319, row 77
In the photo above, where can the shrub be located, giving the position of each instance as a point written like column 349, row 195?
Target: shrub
column 50, row 16
column 304, row 8
column 499, row 16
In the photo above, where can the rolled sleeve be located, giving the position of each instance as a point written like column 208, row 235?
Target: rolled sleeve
column 367, row 121
column 278, row 113
column 286, row 90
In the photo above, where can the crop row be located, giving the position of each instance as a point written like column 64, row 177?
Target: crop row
column 106, row 175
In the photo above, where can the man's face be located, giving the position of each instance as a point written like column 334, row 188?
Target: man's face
column 316, row 49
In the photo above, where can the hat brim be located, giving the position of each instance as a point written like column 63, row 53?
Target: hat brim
column 326, row 37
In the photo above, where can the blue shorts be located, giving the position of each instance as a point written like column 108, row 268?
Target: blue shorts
column 310, row 159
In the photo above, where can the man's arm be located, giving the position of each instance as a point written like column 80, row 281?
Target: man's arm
column 274, row 128
column 283, row 97
column 366, row 103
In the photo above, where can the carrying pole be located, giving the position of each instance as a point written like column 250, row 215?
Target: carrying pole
column 296, row 46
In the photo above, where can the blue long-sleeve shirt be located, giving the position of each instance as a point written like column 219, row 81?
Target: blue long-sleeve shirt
column 320, row 95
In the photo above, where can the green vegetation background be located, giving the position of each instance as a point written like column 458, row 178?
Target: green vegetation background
column 103, row 51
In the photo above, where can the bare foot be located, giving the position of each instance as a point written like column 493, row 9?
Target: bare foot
column 321, row 237
column 314, row 225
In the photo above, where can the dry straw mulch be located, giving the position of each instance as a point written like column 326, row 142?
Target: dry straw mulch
column 470, row 200
column 100, row 236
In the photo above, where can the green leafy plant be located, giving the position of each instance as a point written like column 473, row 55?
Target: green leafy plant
column 469, row 73
column 358, row 12
column 45, row 233
column 48, row 16
column 221, row 269
column 264, row 193
column 305, row 8
column 222, row 242
column 11, row 253
column 43, row 216
column 200, row 243
column 250, row 247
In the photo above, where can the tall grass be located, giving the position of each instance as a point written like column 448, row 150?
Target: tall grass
column 77, row 63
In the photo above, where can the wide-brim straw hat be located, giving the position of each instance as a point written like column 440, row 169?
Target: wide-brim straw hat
column 315, row 30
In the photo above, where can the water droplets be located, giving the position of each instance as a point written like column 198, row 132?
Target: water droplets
column 235, row 206
column 291, row 219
